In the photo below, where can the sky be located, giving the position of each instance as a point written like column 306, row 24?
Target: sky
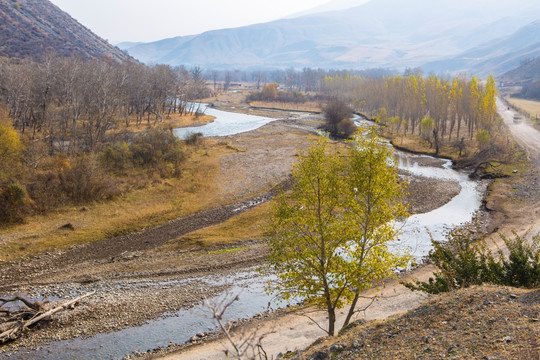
column 151, row 20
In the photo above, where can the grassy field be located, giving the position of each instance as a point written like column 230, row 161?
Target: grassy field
column 307, row 106
column 164, row 200
column 172, row 122
column 250, row 225
column 531, row 108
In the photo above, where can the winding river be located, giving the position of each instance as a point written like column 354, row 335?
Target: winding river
column 179, row 327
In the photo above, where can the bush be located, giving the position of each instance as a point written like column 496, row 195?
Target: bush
column 337, row 115
column 194, row 138
column 65, row 183
column 462, row 262
column 13, row 203
column 85, row 181
column 157, row 146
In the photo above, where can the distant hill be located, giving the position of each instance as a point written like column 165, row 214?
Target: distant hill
column 379, row 33
column 497, row 56
column 527, row 73
column 35, row 27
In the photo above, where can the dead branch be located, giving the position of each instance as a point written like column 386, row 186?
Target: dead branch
column 13, row 329
column 246, row 346
column 34, row 305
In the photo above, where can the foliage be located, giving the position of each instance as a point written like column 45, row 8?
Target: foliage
column 11, row 149
column 337, row 117
column 270, row 92
column 329, row 236
column 462, row 262
column 530, row 91
column 459, row 107
column 155, row 149
column 13, row 203
column 483, row 137
column 75, row 180
column 194, row 138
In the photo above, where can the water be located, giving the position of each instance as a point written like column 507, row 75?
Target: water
column 416, row 229
column 226, row 123
column 179, row 327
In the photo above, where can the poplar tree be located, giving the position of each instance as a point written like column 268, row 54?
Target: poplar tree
column 330, row 235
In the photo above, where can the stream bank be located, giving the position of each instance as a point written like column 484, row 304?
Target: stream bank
column 165, row 283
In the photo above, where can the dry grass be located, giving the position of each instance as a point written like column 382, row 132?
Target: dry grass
column 171, row 122
column 247, row 226
column 138, row 209
column 415, row 143
column 476, row 323
column 531, row 108
column 288, row 106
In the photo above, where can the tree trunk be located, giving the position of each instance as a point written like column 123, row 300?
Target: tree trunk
column 351, row 309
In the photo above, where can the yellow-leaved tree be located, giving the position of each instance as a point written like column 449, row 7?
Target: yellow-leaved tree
column 330, row 235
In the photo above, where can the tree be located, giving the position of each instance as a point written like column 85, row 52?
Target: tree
column 11, row 149
column 270, row 92
column 337, row 116
column 330, row 234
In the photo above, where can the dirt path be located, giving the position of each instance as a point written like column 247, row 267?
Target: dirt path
column 141, row 241
column 291, row 331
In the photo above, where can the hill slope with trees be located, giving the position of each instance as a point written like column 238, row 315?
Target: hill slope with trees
column 32, row 28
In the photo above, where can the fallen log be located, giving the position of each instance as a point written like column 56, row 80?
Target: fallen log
column 19, row 327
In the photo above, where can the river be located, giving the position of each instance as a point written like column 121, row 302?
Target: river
column 179, row 327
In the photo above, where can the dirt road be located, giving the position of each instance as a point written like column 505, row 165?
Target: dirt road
column 529, row 138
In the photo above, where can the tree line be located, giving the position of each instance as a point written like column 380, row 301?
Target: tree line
column 73, row 102
column 56, row 117
column 433, row 107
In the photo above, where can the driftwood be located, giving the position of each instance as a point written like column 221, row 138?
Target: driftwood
column 16, row 325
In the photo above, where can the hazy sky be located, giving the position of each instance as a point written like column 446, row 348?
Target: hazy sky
column 149, row 20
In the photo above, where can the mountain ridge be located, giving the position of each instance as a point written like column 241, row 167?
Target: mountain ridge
column 379, row 33
column 33, row 28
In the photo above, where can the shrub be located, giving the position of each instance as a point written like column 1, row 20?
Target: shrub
column 194, row 138
column 118, row 157
column 156, row 146
column 337, row 116
column 462, row 262
column 13, row 203
column 85, row 181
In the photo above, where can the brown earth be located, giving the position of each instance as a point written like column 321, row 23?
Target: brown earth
column 125, row 270
column 514, row 205
column 487, row 322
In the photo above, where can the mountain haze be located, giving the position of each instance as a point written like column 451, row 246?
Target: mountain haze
column 36, row 27
column 497, row 56
column 380, row 33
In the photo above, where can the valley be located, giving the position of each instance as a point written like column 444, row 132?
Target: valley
column 359, row 179
column 126, row 275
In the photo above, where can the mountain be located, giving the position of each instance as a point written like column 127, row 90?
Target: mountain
column 497, row 56
column 36, row 27
column 379, row 33
column 526, row 73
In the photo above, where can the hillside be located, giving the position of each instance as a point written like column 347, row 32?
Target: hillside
column 485, row 322
column 497, row 56
column 37, row 27
column 526, row 73
column 379, row 33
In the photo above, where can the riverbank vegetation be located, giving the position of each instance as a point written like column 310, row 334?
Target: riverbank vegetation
column 73, row 131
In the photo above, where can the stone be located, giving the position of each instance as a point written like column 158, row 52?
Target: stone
column 319, row 356
column 337, row 348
